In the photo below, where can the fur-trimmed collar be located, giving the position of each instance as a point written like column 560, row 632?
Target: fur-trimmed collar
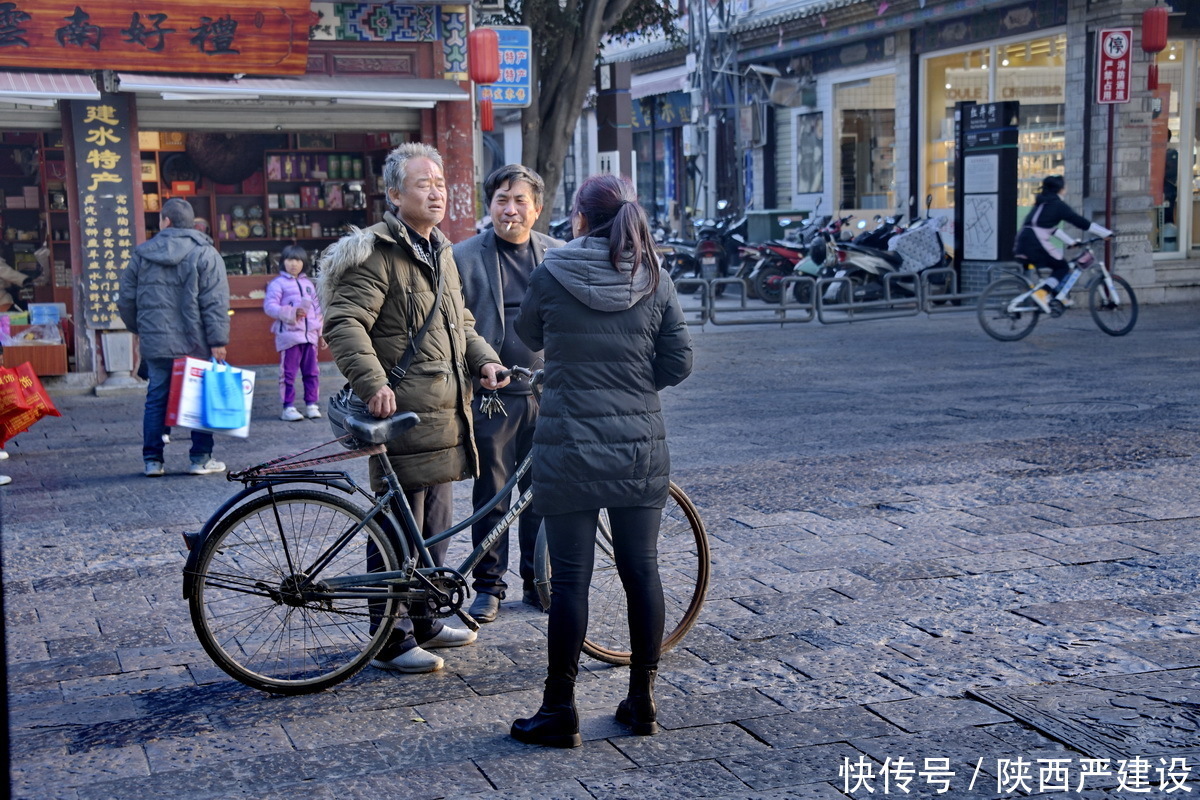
column 356, row 246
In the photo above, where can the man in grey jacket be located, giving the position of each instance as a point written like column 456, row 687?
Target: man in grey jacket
column 495, row 268
column 175, row 297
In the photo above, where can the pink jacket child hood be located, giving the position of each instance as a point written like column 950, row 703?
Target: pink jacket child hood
column 285, row 295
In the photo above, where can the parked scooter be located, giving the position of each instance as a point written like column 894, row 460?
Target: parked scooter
column 717, row 244
column 905, row 252
column 773, row 260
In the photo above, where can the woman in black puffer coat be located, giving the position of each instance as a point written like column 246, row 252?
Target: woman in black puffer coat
column 614, row 335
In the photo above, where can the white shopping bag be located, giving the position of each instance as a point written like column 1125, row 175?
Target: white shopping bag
column 185, row 404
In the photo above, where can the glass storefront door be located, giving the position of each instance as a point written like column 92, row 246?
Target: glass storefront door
column 1030, row 71
column 864, row 158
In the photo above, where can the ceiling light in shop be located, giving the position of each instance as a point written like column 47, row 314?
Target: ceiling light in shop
column 947, row 86
column 1004, row 63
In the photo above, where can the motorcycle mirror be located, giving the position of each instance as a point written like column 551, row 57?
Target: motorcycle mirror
column 785, row 221
column 928, row 201
column 722, row 205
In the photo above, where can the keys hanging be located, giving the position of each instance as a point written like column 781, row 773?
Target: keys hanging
column 491, row 404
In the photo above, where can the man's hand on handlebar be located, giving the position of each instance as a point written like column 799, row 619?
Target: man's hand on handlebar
column 494, row 376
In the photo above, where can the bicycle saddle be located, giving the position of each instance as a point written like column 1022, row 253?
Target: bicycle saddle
column 372, row 430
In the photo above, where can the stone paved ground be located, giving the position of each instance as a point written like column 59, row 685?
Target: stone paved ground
column 901, row 512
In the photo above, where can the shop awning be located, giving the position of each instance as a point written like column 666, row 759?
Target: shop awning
column 662, row 81
column 44, row 88
column 382, row 92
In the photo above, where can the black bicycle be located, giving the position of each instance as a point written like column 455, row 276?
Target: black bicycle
column 283, row 598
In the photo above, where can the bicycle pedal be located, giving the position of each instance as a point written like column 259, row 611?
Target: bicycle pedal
column 468, row 620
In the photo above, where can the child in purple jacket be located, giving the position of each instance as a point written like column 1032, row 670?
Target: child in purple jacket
column 292, row 301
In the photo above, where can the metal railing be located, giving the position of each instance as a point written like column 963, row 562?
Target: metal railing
column 933, row 291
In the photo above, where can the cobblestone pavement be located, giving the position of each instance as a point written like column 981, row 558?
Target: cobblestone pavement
column 901, row 512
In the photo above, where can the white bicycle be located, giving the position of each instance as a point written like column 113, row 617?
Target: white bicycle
column 1008, row 312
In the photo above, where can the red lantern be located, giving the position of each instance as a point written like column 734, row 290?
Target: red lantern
column 483, row 55
column 487, row 119
column 1154, row 29
column 1154, row 39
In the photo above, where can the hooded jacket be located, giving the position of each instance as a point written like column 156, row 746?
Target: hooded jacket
column 174, row 295
column 611, row 343
column 286, row 293
column 376, row 292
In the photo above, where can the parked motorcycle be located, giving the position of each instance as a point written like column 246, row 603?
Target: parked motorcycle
column 712, row 255
column 771, row 261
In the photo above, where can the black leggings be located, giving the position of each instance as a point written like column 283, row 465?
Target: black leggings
column 572, row 551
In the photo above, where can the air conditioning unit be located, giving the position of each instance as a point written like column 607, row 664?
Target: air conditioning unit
column 496, row 6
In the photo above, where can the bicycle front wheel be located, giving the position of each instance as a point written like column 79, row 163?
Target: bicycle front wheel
column 261, row 613
column 995, row 317
column 683, row 565
column 1115, row 312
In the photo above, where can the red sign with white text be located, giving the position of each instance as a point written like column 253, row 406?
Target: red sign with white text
column 1113, row 63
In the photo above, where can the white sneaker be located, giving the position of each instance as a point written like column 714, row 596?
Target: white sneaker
column 411, row 661
column 450, row 637
column 3, row 455
column 207, row 468
column 312, row 411
column 5, row 480
column 290, row 414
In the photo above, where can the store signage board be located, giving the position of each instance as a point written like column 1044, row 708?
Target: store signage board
column 206, row 36
column 988, row 166
column 1113, row 63
column 515, row 87
column 104, row 154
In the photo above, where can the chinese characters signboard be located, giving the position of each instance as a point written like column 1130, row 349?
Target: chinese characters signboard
column 1112, row 65
column 104, row 166
column 662, row 111
column 515, row 87
column 225, row 36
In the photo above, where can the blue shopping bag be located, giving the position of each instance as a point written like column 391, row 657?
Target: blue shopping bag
column 224, row 400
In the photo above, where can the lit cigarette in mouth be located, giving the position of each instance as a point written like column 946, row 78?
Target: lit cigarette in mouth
column 508, row 227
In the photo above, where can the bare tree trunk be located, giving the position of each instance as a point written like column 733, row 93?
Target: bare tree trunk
column 564, row 72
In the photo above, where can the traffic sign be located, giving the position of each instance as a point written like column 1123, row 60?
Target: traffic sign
column 1113, row 62
column 515, row 87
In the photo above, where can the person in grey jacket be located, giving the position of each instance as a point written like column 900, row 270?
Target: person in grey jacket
column 614, row 336
column 495, row 268
column 174, row 295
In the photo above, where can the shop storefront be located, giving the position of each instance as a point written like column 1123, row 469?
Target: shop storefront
column 1175, row 142
column 264, row 161
column 1027, row 69
column 661, row 175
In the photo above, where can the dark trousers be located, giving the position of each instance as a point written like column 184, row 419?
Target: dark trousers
column 158, row 373
column 432, row 509
column 300, row 358
column 503, row 442
column 572, row 540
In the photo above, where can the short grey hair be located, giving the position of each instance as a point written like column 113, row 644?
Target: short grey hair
column 180, row 212
column 395, row 168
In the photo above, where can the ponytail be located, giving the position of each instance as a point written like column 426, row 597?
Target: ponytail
column 610, row 207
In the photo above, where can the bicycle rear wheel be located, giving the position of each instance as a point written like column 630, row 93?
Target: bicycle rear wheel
column 995, row 318
column 1115, row 313
column 683, row 565
column 246, row 607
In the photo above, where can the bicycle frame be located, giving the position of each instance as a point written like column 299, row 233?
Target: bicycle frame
column 1024, row 303
column 392, row 509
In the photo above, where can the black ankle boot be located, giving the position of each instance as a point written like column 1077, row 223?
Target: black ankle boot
column 638, row 710
column 556, row 723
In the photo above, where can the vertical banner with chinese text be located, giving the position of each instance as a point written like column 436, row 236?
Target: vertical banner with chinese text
column 103, row 142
